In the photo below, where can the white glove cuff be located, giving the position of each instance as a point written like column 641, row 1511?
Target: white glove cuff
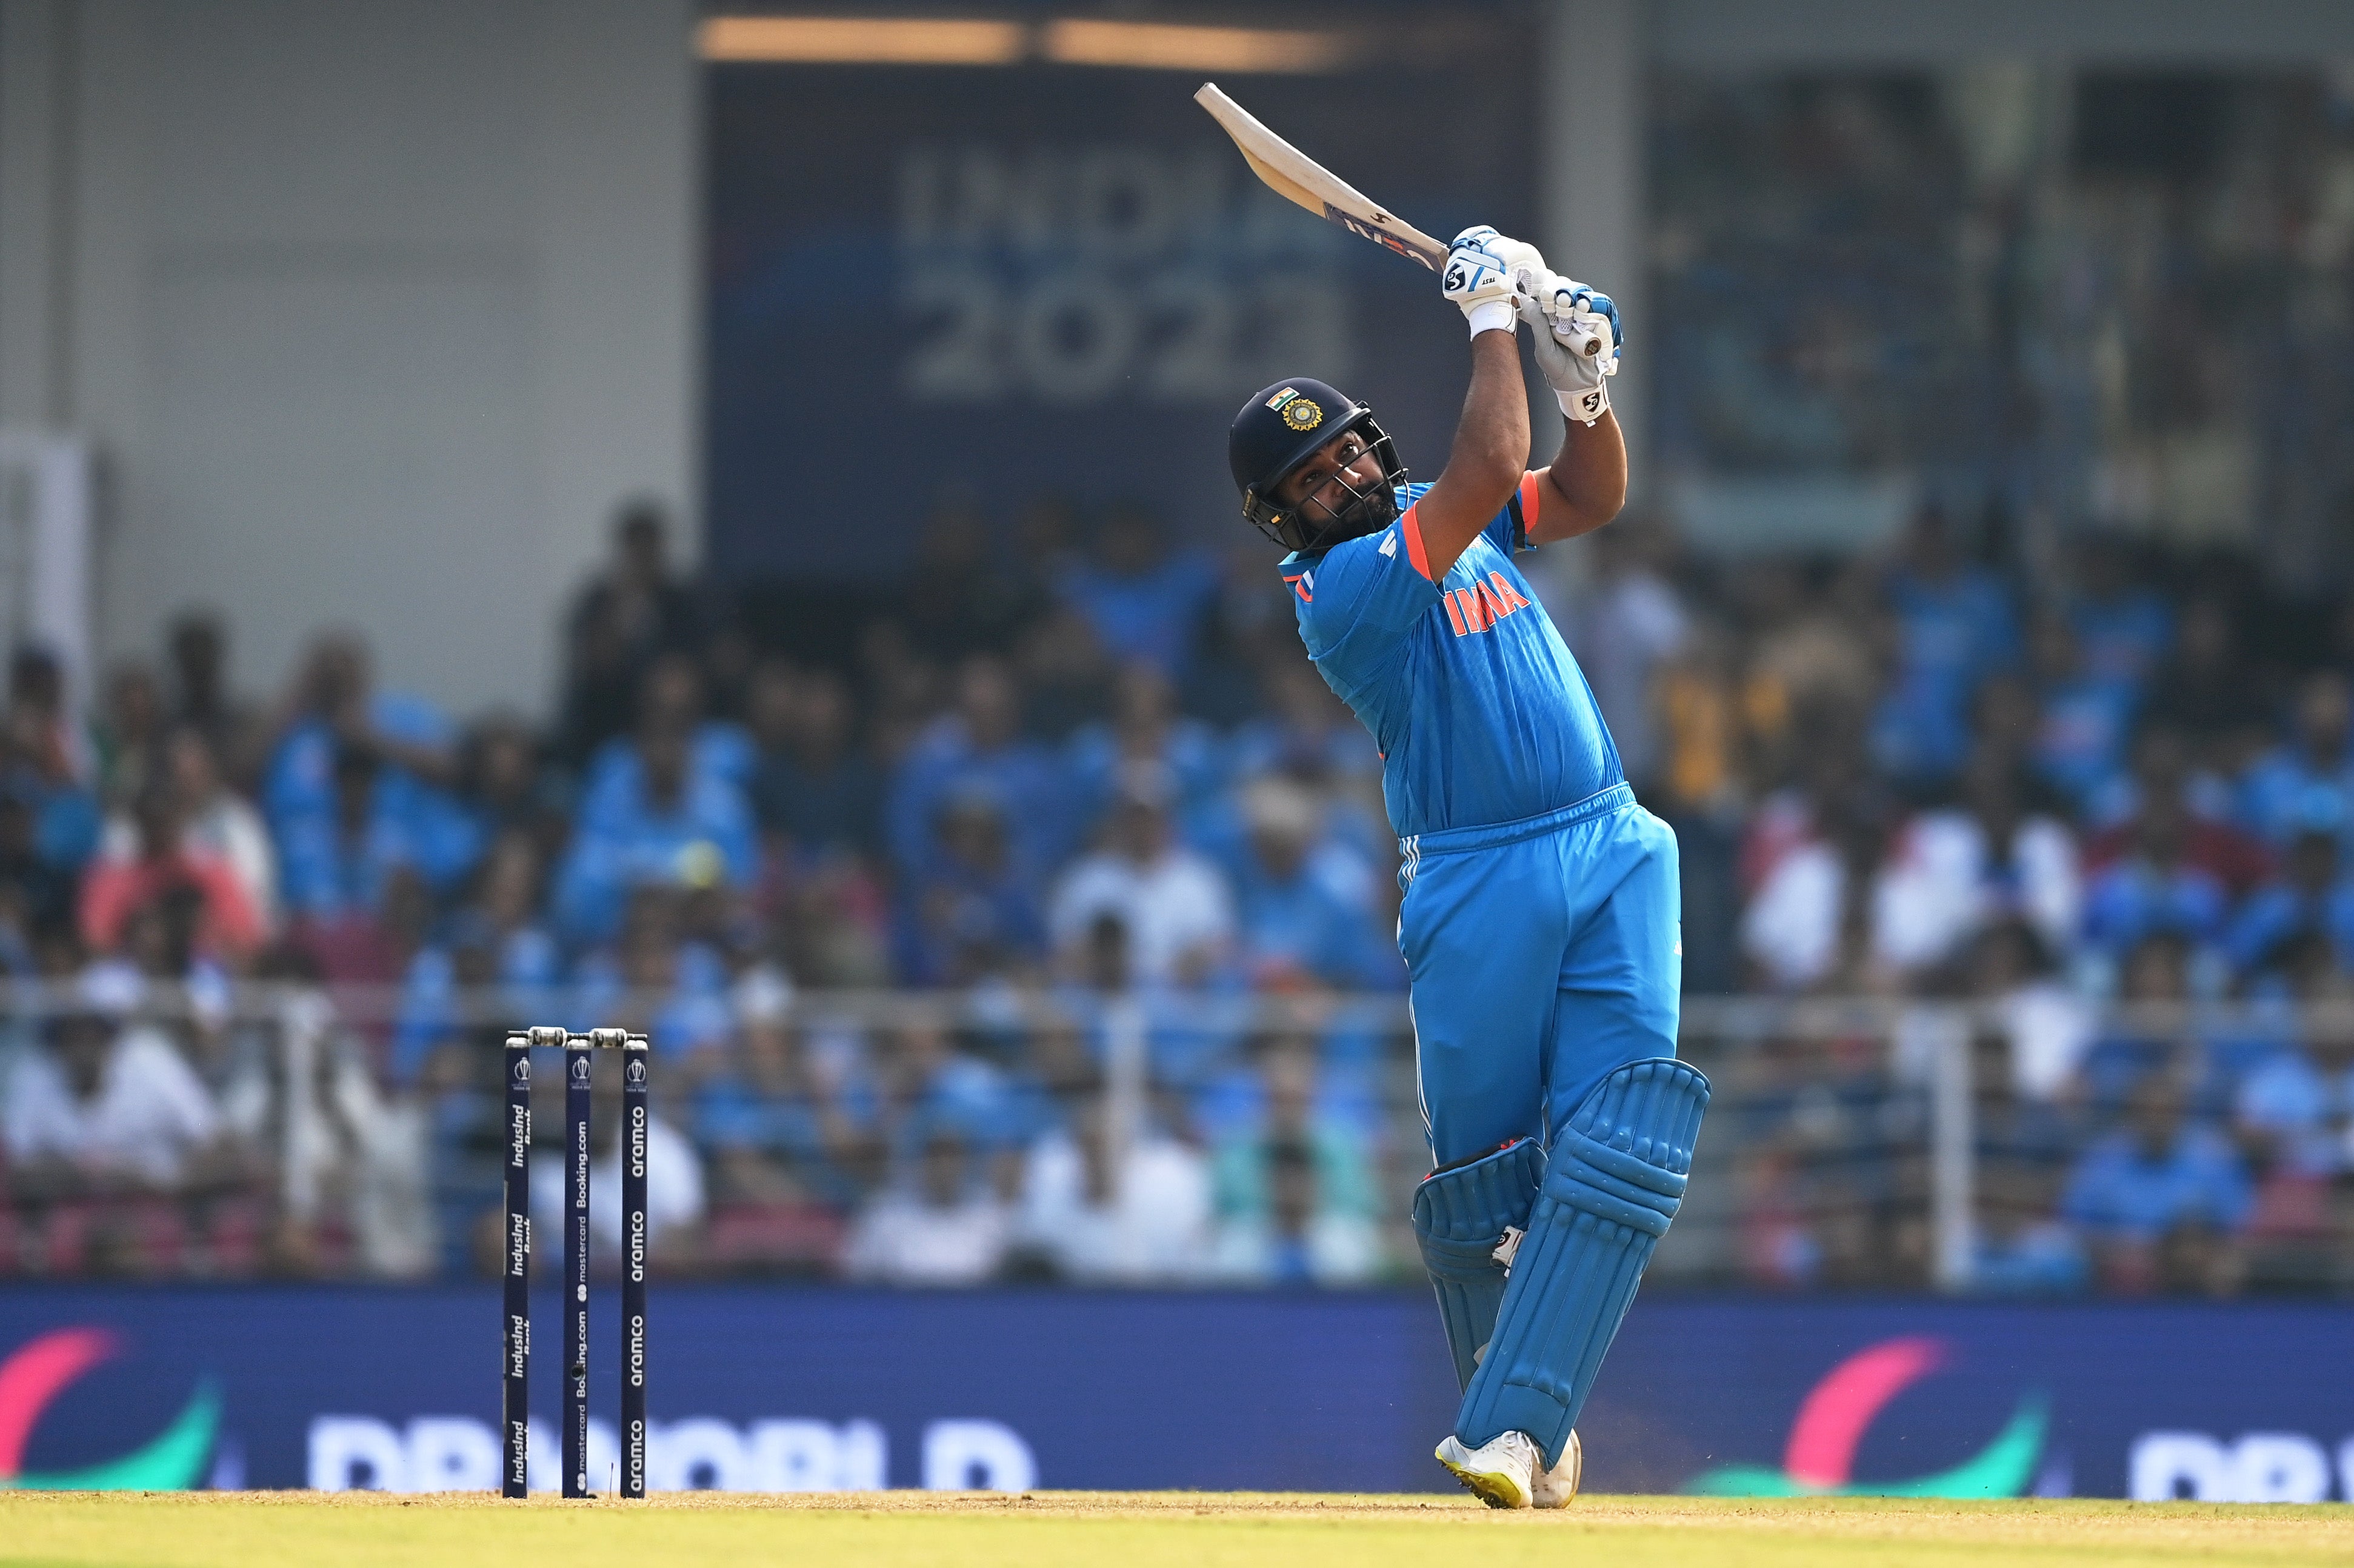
column 1493, row 315
column 1587, row 404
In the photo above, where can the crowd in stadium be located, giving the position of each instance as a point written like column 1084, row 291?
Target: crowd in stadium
column 1097, row 767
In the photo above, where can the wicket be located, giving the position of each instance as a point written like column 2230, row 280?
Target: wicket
column 515, row 1331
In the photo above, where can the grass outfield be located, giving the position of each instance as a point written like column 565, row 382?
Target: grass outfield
column 1148, row 1530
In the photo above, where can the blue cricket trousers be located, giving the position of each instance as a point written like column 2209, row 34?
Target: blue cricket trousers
column 1544, row 954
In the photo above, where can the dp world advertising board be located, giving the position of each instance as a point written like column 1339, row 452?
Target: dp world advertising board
column 780, row 1389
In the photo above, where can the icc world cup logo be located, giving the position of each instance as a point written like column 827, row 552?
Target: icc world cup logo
column 580, row 1069
column 634, row 1075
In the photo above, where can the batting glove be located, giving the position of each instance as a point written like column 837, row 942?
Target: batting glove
column 1478, row 276
column 1577, row 342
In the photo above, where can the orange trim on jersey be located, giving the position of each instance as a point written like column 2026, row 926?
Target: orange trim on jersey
column 1300, row 587
column 1529, row 503
column 1411, row 526
column 1454, row 613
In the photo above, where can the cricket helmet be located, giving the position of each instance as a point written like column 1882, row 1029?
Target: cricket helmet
column 1282, row 427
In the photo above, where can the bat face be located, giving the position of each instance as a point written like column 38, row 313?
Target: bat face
column 1383, row 237
column 1297, row 177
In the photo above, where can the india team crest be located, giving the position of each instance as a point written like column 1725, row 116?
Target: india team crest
column 1302, row 414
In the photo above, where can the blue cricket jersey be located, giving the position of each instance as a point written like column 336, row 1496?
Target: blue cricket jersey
column 1480, row 713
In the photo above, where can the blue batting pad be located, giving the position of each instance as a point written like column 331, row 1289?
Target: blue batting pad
column 1460, row 1214
column 1616, row 1177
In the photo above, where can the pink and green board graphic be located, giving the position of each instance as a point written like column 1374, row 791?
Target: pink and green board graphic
column 1819, row 1459
column 42, row 1368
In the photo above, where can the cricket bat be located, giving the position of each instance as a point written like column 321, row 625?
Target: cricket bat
column 1294, row 175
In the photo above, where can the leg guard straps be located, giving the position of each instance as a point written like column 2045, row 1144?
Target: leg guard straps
column 1616, row 1178
column 1461, row 1215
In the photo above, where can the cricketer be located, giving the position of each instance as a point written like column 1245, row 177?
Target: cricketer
column 1540, row 921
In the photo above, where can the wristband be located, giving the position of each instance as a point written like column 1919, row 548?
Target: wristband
column 1587, row 404
column 1493, row 315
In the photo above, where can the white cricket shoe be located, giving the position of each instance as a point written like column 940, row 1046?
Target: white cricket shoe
column 1502, row 1473
column 1556, row 1487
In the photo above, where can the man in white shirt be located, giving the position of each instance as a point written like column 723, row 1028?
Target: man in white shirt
column 947, row 1229
column 1146, row 1222
column 107, row 1104
column 1173, row 904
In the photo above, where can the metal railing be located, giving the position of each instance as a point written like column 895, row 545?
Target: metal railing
column 1867, row 1144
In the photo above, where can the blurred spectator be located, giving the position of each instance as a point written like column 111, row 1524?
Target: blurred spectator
column 218, row 822
column 658, row 820
column 943, row 1228
column 1246, row 631
column 131, row 733
column 631, row 611
column 353, row 781
column 2123, row 627
column 1810, row 908
column 371, row 945
column 1955, row 626
column 348, row 1160
column 502, row 789
column 1292, row 1111
column 1950, row 872
column 2163, row 787
column 1626, row 620
column 1810, row 655
column 2312, row 896
column 969, row 911
column 2046, row 1023
column 1174, row 906
column 107, row 1104
column 1701, row 725
column 1096, row 1213
column 1145, row 739
column 1300, row 1238
column 41, row 734
column 2145, row 1038
column 1143, row 599
column 779, row 1134
column 1294, row 919
column 2280, row 787
column 2204, row 687
column 979, row 746
column 201, row 698
column 335, row 868
column 810, row 787
column 494, row 941
column 656, row 978
column 2154, row 888
column 2155, row 1190
column 966, row 593
column 164, row 864
column 2085, row 714
column 2295, row 1110
column 40, row 776
column 1065, row 676
column 669, row 699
